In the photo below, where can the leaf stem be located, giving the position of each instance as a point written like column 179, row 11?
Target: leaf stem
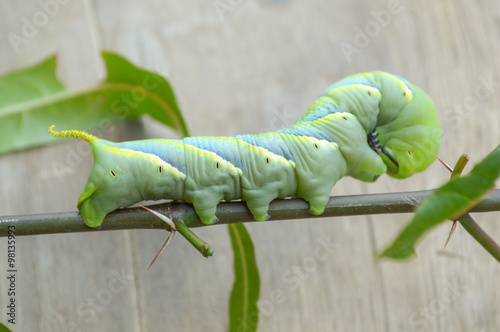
column 203, row 247
column 480, row 235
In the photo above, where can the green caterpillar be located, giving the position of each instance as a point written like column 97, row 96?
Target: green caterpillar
column 363, row 126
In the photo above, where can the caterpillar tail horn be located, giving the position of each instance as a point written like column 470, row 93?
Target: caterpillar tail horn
column 72, row 133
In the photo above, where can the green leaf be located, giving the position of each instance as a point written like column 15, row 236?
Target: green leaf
column 33, row 98
column 449, row 202
column 4, row 328
column 459, row 166
column 243, row 311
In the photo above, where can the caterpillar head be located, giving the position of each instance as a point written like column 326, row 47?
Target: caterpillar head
column 119, row 178
column 411, row 138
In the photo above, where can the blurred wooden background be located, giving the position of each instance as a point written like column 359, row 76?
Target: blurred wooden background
column 244, row 67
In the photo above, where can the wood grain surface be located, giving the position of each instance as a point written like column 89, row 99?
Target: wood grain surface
column 246, row 67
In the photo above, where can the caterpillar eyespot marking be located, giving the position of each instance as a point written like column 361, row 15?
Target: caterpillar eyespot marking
column 382, row 134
